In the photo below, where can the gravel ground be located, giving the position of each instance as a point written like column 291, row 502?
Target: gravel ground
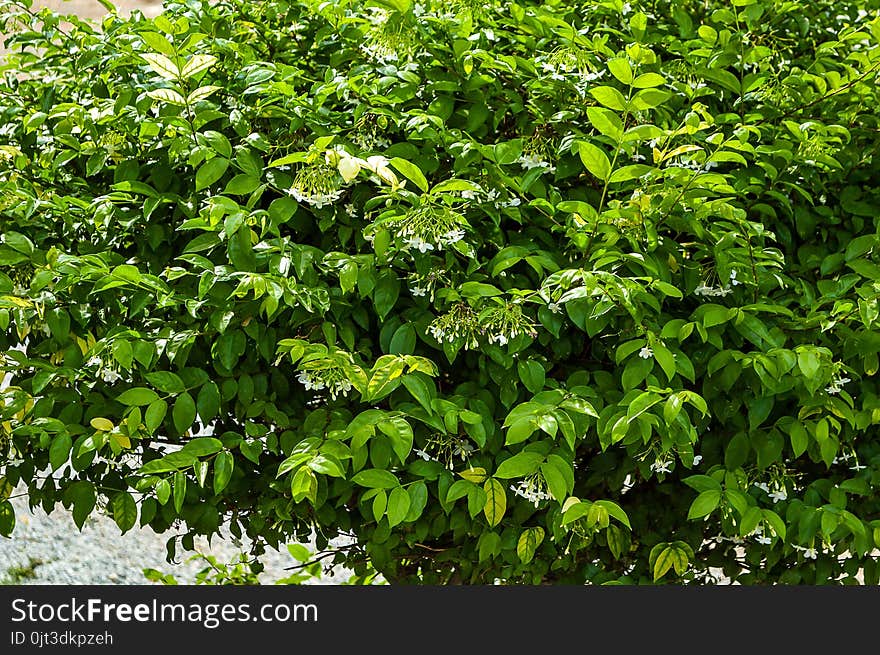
column 100, row 555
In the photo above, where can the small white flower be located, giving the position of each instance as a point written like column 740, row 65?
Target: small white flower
column 421, row 453
column 554, row 307
column 697, row 459
column 810, row 553
column 452, row 237
column 646, row 353
column 627, row 7
column 733, row 280
column 762, row 539
column 661, row 466
column 418, row 291
column 95, row 361
column 762, row 486
column 110, row 376
column 418, row 243
column 857, row 467
column 779, row 494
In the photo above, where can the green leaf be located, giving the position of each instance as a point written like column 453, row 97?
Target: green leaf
column 799, row 438
column 630, row 172
column 614, row 510
column 665, row 359
column 7, row 518
column 648, row 80
column 411, row 172
column 606, row 122
column 621, row 69
column 82, row 494
column 211, row 171
column 609, row 97
column 496, row 501
column 125, row 511
column 401, row 435
column 179, row 490
column 155, row 40
column 197, row 64
column 184, row 412
column 223, row 466
column 327, row 465
column 528, row 543
column 398, row 506
column 595, row 160
column 155, row 414
column 170, row 96
column 162, row 65
column 203, row 446
column 384, row 379
column 59, row 450
column 532, row 374
column 555, row 481
column 137, row 396
column 166, row 382
column 704, row 504
column 376, row 479
column 671, row 556
column 385, row 293
column 418, row 499
column 809, row 363
column 202, row 93
column 521, row 464
column 208, row 402
column 241, row 185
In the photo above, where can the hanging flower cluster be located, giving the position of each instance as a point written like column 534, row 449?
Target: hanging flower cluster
column 460, row 323
column 430, row 226
column 506, row 321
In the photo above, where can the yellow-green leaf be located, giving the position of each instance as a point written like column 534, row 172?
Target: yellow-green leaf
column 162, row 65
column 528, row 543
column 102, row 424
column 496, row 501
column 474, row 474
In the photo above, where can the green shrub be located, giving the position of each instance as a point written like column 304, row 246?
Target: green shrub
column 553, row 292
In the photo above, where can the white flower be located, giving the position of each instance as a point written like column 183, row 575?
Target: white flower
column 418, row 291
column 762, row 486
column 627, row 7
column 857, row 467
column 533, row 161
column 500, row 339
column 810, row 553
column 452, row 237
column 554, row 307
column 418, row 243
column 646, row 353
column 661, row 466
column 110, row 376
column 531, row 491
column 779, row 494
column 733, row 280
column 836, row 385
column 697, row 459
column 421, row 453
column 309, row 382
column 95, row 361
column 762, row 539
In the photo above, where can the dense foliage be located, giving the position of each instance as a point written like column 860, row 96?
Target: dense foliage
column 536, row 292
